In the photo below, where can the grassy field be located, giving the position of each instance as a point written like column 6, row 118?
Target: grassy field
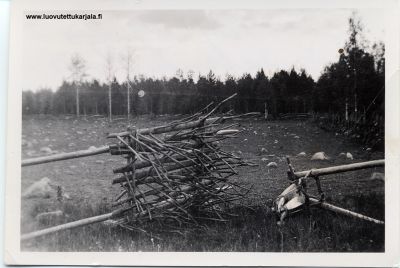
column 88, row 183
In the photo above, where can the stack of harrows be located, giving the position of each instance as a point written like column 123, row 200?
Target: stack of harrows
column 175, row 173
column 179, row 177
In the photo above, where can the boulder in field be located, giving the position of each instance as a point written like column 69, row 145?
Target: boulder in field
column 264, row 159
column 378, row 176
column 272, row 165
column 319, row 156
column 39, row 189
column 302, row 154
column 346, row 155
column 30, row 153
column 26, row 143
column 263, row 150
column 46, row 150
column 52, row 216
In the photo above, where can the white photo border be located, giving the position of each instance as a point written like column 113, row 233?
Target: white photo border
column 13, row 254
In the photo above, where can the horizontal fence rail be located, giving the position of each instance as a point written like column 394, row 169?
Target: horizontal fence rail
column 339, row 169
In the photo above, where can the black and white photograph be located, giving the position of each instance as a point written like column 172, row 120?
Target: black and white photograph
column 221, row 128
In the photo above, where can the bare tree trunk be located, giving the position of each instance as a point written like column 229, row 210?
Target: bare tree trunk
column 77, row 100
column 355, row 103
column 265, row 111
column 128, row 84
column 129, row 99
column 109, row 102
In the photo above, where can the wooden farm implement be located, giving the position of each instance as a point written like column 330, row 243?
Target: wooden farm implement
column 175, row 174
column 295, row 198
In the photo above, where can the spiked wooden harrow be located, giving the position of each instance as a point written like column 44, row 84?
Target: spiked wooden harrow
column 180, row 177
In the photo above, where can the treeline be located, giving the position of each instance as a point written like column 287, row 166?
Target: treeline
column 351, row 89
column 285, row 92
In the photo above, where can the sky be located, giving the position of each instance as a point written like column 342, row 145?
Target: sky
column 162, row 41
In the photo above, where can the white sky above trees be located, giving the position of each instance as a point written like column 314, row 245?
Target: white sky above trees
column 225, row 41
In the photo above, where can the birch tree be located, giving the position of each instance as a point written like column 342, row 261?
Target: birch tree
column 110, row 75
column 78, row 73
column 128, row 69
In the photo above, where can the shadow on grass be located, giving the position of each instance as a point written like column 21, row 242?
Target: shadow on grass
column 253, row 229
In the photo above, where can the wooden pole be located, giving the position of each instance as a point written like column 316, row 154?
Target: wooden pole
column 64, row 156
column 66, row 226
column 339, row 169
column 344, row 211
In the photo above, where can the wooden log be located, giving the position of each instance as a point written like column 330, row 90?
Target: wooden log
column 344, row 211
column 66, row 226
column 339, row 169
column 64, row 156
column 149, row 171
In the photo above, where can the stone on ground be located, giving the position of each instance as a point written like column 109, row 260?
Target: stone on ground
column 302, row 154
column 46, row 150
column 349, row 156
column 378, row 176
column 319, row 156
column 272, row 165
column 39, row 189
column 52, row 216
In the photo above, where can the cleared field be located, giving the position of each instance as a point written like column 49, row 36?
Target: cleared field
column 88, row 183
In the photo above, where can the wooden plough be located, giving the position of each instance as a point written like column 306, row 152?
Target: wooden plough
column 295, row 197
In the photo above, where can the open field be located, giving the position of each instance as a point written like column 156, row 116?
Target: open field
column 87, row 181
